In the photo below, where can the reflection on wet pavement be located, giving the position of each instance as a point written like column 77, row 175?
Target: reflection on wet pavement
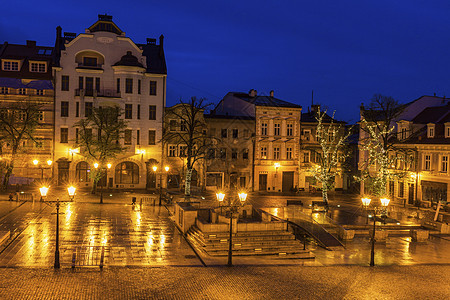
column 129, row 237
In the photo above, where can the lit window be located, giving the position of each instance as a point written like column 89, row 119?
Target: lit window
column 127, row 137
column 444, row 164
column 427, row 162
column 38, row 67
column 10, row 66
column 264, row 152
column 276, row 130
column 288, row 152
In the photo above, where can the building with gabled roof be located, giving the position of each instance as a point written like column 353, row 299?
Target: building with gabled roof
column 26, row 77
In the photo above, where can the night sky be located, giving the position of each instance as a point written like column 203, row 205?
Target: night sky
column 345, row 51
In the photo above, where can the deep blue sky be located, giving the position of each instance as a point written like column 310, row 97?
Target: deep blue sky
column 345, row 51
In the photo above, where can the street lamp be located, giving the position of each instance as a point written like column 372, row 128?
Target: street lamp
column 383, row 212
column 232, row 207
column 71, row 190
column 44, row 191
column 366, row 203
column 166, row 168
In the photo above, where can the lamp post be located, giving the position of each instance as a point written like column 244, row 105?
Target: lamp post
column 366, row 203
column 36, row 163
column 232, row 207
column 383, row 212
column 155, row 168
column 71, row 191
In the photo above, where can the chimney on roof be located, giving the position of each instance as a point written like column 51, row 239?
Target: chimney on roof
column 161, row 45
column 151, row 41
column 271, row 93
column 252, row 93
column 31, row 43
column 58, row 42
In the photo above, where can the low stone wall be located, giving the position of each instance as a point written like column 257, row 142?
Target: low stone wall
column 346, row 234
column 241, row 227
column 380, row 235
column 419, row 235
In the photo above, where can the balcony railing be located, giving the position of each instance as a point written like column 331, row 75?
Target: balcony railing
column 97, row 93
column 90, row 66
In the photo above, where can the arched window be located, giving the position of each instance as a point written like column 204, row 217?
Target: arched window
column 127, row 173
column 82, row 172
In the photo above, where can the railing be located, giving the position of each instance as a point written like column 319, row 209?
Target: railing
column 88, row 256
column 97, row 93
column 90, row 66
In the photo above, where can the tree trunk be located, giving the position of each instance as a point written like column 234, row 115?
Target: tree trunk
column 94, row 187
column 187, row 186
column 9, row 169
column 325, row 192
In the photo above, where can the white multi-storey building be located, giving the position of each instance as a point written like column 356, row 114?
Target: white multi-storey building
column 105, row 67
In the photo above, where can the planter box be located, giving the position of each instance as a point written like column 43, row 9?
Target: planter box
column 346, row 234
column 419, row 235
column 380, row 235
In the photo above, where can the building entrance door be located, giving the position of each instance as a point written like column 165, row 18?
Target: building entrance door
column 263, row 182
column 288, row 182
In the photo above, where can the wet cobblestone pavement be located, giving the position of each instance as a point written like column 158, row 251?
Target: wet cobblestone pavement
column 343, row 282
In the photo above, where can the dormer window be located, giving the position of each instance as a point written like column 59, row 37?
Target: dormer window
column 10, row 65
column 38, row 67
column 447, row 130
column 430, row 130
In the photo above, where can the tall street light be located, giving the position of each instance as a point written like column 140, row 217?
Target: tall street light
column 366, row 203
column 232, row 207
column 155, row 169
column 383, row 213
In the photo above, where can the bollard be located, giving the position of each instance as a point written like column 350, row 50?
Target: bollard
column 133, row 200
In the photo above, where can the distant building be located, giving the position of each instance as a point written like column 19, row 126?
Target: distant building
column 101, row 67
column 230, row 162
column 277, row 135
column 26, row 75
column 311, row 152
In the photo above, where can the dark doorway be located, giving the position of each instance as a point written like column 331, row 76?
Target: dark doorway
column 63, row 172
column 288, row 182
column 411, row 193
column 263, row 182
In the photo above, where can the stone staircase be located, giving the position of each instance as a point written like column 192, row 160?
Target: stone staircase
column 268, row 242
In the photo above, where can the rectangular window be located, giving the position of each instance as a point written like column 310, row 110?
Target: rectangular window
column 87, row 109
column 129, row 85
column 427, row 162
column 64, row 108
column 444, row 164
column 152, row 112
column 41, row 115
column 97, row 84
column 224, row 133
column 64, row 138
column 276, row 129
column 39, row 67
column 263, row 152
column 153, row 88
column 77, row 109
column 223, row 153
column 127, row 137
column 64, row 83
column 235, row 133
column 173, row 126
column 138, row 111
column 306, row 157
column 172, row 151
column 40, row 92
column 22, row 91
column 89, row 86
column 4, row 90
column 128, row 111
column 289, row 129
column 245, row 154
column 139, row 86
column 288, row 152
column 182, row 151
column 246, row 133
column 151, row 137
column 234, row 153
column 138, row 137
column 306, row 135
column 118, row 85
column 76, row 135
column 183, row 126
column 276, row 153
column 80, row 82
column 11, row 66
column 90, row 61
column 264, row 128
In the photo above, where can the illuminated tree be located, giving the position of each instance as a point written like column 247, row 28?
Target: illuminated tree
column 332, row 151
column 18, row 121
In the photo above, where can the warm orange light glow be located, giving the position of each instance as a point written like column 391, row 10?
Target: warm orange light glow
column 35, row 162
column 220, row 196
column 96, row 165
column 242, row 196
column 155, row 168
column 43, row 190
column 166, row 168
column 49, row 162
column 71, row 191
column 366, row 201
column 385, row 201
column 109, row 166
